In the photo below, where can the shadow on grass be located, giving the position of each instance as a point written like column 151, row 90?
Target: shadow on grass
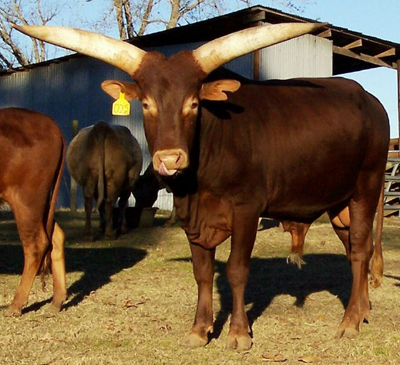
column 271, row 277
column 394, row 277
column 97, row 265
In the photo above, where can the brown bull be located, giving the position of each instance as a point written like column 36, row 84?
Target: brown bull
column 105, row 160
column 289, row 150
column 32, row 151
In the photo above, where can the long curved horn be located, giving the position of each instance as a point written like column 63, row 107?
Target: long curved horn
column 215, row 53
column 123, row 55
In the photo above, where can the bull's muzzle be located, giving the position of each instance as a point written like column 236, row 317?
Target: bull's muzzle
column 168, row 162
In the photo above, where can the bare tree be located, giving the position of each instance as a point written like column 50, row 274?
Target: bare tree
column 137, row 17
column 13, row 49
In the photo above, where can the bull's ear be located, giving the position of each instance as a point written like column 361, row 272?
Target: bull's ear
column 114, row 88
column 215, row 90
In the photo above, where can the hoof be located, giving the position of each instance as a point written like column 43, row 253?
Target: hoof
column 52, row 310
column 239, row 342
column 194, row 340
column 350, row 333
column 13, row 311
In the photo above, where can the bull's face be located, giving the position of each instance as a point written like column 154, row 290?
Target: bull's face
column 170, row 88
column 170, row 102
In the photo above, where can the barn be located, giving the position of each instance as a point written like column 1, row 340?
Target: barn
column 68, row 88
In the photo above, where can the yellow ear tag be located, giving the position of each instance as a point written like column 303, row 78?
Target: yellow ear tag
column 121, row 106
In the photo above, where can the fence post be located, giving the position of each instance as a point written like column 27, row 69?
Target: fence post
column 74, row 185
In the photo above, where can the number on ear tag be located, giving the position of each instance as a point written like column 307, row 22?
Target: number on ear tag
column 121, row 106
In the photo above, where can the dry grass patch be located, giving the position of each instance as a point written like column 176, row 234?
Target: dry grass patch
column 132, row 300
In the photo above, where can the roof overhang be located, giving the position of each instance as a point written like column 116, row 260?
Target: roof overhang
column 352, row 51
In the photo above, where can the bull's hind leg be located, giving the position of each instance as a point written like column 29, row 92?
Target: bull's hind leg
column 58, row 269
column 34, row 244
column 362, row 210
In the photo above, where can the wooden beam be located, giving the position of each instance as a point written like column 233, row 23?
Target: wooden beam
column 387, row 53
column 362, row 57
column 398, row 98
column 325, row 34
column 355, row 44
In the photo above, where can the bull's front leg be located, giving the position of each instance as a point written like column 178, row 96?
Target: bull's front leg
column 242, row 242
column 203, row 268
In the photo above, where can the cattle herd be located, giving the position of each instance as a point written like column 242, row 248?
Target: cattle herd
column 230, row 149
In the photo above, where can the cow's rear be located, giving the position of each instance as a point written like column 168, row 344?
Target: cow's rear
column 105, row 160
column 31, row 163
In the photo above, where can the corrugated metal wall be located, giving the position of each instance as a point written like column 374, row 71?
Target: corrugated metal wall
column 69, row 89
column 305, row 56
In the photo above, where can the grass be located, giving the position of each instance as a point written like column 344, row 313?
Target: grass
column 132, row 301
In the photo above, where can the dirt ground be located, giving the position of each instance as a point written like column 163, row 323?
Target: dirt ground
column 132, row 301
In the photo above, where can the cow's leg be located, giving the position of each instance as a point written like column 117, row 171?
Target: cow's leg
column 122, row 205
column 58, row 268
column 34, row 243
column 172, row 219
column 362, row 211
column 242, row 242
column 203, row 268
column 341, row 224
column 108, row 218
column 88, row 214
column 298, row 232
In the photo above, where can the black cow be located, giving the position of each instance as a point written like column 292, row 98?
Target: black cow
column 105, row 160
column 290, row 150
column 146, row 191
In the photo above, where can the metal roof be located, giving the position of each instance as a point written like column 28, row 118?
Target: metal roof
column 352, row 51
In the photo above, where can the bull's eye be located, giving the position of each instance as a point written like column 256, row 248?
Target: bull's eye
column 194, row 105
column 145, row 105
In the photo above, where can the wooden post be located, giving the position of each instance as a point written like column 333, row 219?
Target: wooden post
column 257, row 60
column 74, row 185
column 256, row 65
column 398, row 103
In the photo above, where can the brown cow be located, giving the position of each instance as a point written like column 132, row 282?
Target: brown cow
column 31, row 164
column 341, row 225
column 105, row 160
column 289, row 150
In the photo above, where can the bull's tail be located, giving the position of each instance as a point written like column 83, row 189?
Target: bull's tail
column 377, row 257
column 49, row 224
column 100, row 132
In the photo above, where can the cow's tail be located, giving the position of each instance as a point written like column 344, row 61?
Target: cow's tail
column 100, row 130
column 49, row 224
column 377, row 257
